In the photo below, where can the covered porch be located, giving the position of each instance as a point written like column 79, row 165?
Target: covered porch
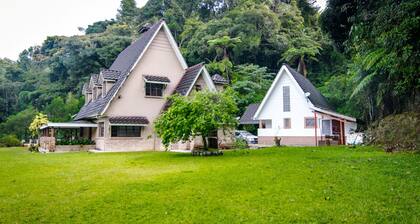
column 333, row 127
column 67, row 136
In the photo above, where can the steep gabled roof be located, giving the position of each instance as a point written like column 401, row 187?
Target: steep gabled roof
column 188, row 79
column 129, row 55
column 248, row 116
column 123, row 64
column 316, row 98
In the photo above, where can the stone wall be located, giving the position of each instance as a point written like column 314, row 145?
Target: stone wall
column 47, row 143
column 73, row 148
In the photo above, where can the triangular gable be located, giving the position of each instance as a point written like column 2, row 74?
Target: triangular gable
column 190, row 77
column 283, row 70
column 207, row 79
column 161, row 25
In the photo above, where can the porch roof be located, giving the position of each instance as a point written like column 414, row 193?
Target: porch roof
column 334, row 114
column 73, row 124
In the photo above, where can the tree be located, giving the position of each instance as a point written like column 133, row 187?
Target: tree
column 223, row 45
column 251, row 83
column 39, row 120
column 17, row 124
column 198, row 115
column 127, row 11
column 303, row 47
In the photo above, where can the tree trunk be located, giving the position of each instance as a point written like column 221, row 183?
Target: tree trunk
column 302, row 66
column 225, row 53
column 205, row 143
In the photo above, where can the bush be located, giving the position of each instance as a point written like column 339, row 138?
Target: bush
column 240, row 144
column 9, row 141
column 33, row 148
column 396, row 132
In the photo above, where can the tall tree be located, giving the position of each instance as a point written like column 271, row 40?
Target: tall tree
column 127, row 11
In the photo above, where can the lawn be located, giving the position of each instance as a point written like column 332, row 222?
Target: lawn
column 277, row 185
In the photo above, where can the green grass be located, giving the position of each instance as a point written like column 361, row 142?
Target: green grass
column 278, row 185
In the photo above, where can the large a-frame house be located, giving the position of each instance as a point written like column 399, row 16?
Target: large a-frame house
column 123, row 101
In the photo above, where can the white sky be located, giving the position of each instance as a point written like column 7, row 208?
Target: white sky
column 26, row 23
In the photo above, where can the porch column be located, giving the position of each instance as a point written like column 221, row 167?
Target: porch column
column 261, row 125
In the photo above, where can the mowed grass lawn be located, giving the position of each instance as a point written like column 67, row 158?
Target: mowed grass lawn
column 276, row 185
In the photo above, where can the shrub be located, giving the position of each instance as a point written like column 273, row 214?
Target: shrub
column 10, row 141
column 240, row 144
column 33, row 148
column 396, row 132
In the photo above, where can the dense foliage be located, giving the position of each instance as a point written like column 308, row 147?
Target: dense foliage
column 197, row 116
column 405, row 137
column 362, row 55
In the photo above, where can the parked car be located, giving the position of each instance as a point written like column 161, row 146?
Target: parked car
column 248, row 137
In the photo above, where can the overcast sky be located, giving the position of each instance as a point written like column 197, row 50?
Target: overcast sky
column 25, row 23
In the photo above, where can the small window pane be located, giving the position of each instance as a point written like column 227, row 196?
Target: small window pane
column 286, row 98
column 309, row 122
column 287, row 123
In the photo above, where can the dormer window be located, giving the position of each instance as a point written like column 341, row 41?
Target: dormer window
column 155, row 85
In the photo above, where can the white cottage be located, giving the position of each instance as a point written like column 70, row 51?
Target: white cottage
column 289, row 111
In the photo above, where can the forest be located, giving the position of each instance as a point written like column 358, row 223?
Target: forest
column 363, row 55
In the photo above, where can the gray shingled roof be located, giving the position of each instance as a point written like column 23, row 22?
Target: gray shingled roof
column 316, row 98
column 123, row 64
column 188, row 78
column 129, row 55
column 110, row 74
column 154, row 78
column 95, row 79
column 218, row 79
column 247, row 117
column 128, row 120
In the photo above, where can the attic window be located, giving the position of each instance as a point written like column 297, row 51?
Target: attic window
column 154, row 89
column 155, row 85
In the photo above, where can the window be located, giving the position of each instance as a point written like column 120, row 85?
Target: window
column 287, row 123
column 101, row 129
column 265, row 124
column 125, row 131
column 154, row 89
column 286, row 98
column 198, row 87
column 309, row 122
column 326, row 127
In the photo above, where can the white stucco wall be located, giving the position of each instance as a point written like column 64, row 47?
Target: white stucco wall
column 299, row 109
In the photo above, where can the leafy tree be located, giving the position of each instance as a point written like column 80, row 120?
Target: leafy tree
column 17, row 124
column 127, row 11
column 99, row 27
column 384, row 60
column 251, row 83
column 199, row 115
column 303, row 47
column 223, row 44
column 39, row 120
